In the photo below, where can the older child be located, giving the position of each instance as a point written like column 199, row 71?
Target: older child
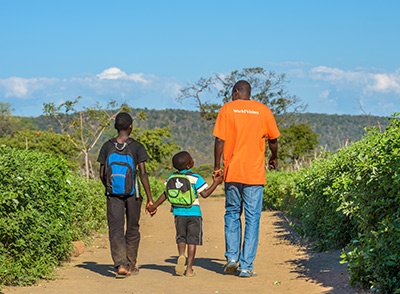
column 120, row 206
column 188, row 220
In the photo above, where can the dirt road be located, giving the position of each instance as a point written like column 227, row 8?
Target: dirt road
column 282, row 265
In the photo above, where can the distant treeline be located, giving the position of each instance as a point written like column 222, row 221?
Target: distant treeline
column 194, row 134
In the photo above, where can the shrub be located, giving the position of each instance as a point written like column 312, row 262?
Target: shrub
column 351, row 199
column 43, row 207
column 278, row 192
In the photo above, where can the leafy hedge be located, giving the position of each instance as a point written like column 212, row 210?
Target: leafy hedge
column 279, row 190
column 43, row 207
column 351, row 199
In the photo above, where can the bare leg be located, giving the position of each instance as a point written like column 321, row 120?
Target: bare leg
column 191, row 252
column 181, row 248
column 180, row 265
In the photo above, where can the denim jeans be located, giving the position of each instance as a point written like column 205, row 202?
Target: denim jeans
column 249, row 198
column 124, row 239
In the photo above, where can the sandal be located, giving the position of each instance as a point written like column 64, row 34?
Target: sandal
column 180, row 265
column 193, row 274
column 122, row 272
column 133, row 271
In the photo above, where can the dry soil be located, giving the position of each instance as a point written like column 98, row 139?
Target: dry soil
column 284, row 263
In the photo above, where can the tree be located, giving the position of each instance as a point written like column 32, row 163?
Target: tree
column 8, row 123
column 158, row 145
column 268, row 87
column 297, row 142
column 84, row 127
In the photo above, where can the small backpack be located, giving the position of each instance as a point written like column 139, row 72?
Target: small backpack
column 179, row 190
column 120, row 170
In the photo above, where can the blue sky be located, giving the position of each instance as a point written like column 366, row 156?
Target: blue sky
column 339, row 57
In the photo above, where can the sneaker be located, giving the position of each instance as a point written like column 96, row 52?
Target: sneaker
column 247, row 274
column 231, row 267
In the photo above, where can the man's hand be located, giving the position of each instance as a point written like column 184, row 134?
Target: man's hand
column 218, row 176
column 273, row 163
column 217, row 172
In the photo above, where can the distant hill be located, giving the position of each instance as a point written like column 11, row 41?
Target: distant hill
column 195, row 134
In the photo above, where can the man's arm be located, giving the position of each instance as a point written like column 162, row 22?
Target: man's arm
column 273, row 160
column 218, row 150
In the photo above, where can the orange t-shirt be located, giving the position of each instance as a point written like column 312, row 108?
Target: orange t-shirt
column 244, row 125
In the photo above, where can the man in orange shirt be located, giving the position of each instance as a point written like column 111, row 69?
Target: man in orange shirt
column 240, row 131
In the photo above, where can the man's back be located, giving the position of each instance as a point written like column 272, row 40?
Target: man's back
column 243, row 125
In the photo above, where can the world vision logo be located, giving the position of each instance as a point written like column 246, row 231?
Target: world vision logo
column 247, row 111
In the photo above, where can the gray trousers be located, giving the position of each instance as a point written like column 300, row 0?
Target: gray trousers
column 124, row 238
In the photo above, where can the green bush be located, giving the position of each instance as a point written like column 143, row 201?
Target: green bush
column 278, row 192
column 43, row 207
column 351, row 199
column 157, row 188
column 374, row 202
column 318, row 195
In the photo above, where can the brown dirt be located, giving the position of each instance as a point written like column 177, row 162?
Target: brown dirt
column 284, row 264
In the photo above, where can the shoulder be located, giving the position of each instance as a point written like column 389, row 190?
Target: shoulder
column 195, row 176
column 134, row 144
column 196, row 179
column 107, row 145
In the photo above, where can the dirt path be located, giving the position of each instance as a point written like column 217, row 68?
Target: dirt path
column 281, row 264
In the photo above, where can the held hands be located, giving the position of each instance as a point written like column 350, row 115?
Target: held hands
column 218, row 176
column 150, row 209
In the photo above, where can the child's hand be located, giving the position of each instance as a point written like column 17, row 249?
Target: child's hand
column 218, row 176
column 150, row 209
column 217, row 173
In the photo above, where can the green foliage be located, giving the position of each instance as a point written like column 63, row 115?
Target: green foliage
column 351, row 199
column 336, row 131
column 268, row 87
column 158, row 144
column 157, row 187
column 297, row 142
column 11, row 124
column 44, row 141
column 278, row 192
column 333, row 130
column 318, row 192
column 43, row 207
column 83, row 127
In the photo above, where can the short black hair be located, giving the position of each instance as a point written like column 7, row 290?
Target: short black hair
column 181, row 160
column 123, row 121
column 242, row 86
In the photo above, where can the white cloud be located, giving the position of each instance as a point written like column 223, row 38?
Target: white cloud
column 366, row 82
column 137, row 89
column 385, row 83
column 22, row 87
column 114, row 73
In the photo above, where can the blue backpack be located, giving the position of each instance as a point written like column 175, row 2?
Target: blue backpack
column 120, row 170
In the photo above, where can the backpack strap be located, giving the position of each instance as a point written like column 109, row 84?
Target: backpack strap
column 128, row 141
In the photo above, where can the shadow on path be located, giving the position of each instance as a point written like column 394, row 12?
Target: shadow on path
column 210, row 264
column 106, row 270
column 323, row 268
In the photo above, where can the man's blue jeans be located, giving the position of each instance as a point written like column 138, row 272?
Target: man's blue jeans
column 249, row 198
